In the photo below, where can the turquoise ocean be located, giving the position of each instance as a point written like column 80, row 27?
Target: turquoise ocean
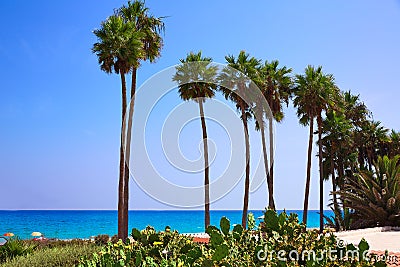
column 67, row 224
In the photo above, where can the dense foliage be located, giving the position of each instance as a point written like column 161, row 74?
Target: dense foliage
column 280, row 241
column 15, row 247
column 375, row 195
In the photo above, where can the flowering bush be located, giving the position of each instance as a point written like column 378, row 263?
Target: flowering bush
column 149, row 248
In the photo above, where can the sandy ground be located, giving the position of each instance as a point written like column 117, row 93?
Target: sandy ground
column 378, row 238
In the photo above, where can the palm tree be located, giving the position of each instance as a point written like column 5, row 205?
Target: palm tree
column 394, row 143
column 235, row 82
column 371, row 136
column 150, row 28
column 336, row 143
column 355, row 110
column 357, row 113
column 350, row 152
column 275, row 84
column 194, row 77
column 315, row 92
column 118, row 44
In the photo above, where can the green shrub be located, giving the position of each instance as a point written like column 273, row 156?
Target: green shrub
column 234, row 246
column 15, row 247
column 150, row 248
column 65, row 255
column 341, row 220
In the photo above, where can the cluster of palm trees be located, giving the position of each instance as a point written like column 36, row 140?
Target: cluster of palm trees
column 352, row 145
column 198, row 80
column 348, row 139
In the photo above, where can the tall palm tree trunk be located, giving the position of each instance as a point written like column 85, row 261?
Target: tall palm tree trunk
column 247, row 179
column 264, row 148
column 128, row 152
column 321, row 176
column 271, row 170
column 121, row 186
column 206, row 168
column 340, row 181
column 335, row 201
column 369, row 159
column 308, row 178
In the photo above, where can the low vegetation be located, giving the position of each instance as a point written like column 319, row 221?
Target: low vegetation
column 15, row 247
column 31, row 253
column 280, row 241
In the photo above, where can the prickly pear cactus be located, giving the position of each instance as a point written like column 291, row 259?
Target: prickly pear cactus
column 211, row 228
column 193, row 255
column 136, row 234
column 221, row 251
column 237, row 231
column 239, row 247
column 271, row 220
column 216, row 238
column 225, row 225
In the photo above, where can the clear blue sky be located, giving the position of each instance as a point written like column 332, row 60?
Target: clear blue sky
column 60, row 115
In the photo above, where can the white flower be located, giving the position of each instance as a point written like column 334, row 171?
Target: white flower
column 165, row 252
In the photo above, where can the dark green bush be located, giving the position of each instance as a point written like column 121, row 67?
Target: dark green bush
column 15, row 247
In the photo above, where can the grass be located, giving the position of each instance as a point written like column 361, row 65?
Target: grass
column 66, row 255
